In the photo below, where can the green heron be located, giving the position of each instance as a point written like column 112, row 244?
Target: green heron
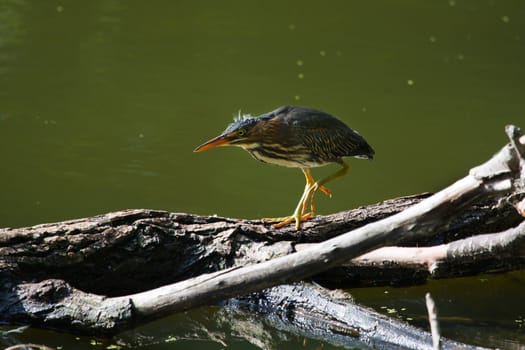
column 296, row 137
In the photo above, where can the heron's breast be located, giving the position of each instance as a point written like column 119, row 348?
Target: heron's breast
column 291, row 157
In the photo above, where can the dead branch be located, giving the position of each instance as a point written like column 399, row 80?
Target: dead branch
column 498, row 175
column 483, row 253
column 210, row 256
column 432, row 319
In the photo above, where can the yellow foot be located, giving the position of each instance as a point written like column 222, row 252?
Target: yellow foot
column 283, row 221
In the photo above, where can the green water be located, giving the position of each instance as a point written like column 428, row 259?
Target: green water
column 102, row 102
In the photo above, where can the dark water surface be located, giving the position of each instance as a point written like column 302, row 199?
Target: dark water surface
column 102, row 103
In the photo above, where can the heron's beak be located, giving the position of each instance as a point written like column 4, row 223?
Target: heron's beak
column 220, row 140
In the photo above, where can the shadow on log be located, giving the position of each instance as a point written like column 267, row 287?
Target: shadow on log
column 105, row 274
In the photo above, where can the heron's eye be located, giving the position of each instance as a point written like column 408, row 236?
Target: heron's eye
column 241, row 132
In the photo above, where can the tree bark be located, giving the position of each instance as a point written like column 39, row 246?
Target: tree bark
column 149, row 263
column 491, row 252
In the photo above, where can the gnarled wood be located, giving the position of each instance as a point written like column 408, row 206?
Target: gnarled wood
column 153, row 262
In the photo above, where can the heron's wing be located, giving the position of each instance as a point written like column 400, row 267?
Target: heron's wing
column 325, row 136
column 334, row 143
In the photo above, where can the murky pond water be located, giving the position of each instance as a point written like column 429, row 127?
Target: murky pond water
column 102, row 103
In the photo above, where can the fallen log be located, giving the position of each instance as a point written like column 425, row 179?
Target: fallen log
column 153, row 263
column 342, row 322
column 269, row 318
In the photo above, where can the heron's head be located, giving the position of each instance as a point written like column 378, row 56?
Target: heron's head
column 241, row 132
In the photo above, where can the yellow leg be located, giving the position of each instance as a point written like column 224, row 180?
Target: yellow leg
column 340, row 173
column 298, row 214
column 308, row 195
column 319, row 185
column 310, row 181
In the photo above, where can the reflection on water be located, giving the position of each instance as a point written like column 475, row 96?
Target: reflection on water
column 102, row 102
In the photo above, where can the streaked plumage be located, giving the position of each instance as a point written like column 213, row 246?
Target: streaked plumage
column 299, row 137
